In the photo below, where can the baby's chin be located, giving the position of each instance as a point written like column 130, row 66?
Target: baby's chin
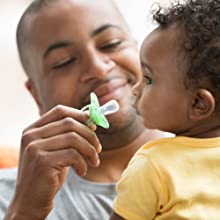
column 150, row 125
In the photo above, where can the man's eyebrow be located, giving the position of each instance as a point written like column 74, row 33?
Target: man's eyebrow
column 103, row 28
column 56, row 46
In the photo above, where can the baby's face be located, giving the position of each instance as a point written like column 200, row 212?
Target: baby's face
column 162, row 98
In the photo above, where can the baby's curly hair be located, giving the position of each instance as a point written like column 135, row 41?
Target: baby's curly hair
column 200, row 22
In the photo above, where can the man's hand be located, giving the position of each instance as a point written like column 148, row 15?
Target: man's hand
column 59, row 139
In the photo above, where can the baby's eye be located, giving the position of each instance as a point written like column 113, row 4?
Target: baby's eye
column 149, row 80
column 64, row 62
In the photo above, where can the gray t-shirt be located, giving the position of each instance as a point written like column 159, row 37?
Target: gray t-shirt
column 78, row 199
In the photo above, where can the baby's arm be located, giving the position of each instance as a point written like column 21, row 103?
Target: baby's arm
column 139, row 191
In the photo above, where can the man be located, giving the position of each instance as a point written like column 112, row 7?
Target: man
column 68, row 49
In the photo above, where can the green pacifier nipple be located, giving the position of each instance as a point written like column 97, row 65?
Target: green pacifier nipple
column 97, row 112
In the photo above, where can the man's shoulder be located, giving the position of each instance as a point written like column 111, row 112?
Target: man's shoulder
column 7, row 188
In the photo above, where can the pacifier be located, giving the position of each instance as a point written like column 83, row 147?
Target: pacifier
column 97, row 112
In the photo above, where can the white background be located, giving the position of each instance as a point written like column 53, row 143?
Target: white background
column 17, row 108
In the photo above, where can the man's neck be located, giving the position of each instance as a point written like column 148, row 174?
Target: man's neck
column 113, row 162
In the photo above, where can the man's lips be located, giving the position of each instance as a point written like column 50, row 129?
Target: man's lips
column 109, row 87
column 107, row 91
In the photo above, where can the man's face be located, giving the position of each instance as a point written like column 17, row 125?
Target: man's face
column 77, row 48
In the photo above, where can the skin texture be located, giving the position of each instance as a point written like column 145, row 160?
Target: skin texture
column 162, row 88
column 68, row 59
column 164, row 84
column 105, row 62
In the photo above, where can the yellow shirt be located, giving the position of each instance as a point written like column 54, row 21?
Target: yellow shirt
column 173, row 179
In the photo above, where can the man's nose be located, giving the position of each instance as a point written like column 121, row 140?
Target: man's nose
column 97, row 66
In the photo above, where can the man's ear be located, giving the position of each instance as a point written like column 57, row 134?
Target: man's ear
column 203, row 105
column 32, row 89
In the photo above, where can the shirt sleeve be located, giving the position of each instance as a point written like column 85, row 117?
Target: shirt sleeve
column 138, row 191
column 7, row 188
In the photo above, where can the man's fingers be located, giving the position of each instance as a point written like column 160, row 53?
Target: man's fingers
column 62, row 130
column 63, row 126
column 65, row 141
column 57, row 113
column 68, row 157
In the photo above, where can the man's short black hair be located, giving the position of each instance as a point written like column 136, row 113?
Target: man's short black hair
column 200, row 22
column 22, row 34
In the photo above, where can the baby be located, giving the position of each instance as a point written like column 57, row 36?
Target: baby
column 179, row 177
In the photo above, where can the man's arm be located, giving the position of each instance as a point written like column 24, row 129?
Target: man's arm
column 58, row 140
column 13, row 214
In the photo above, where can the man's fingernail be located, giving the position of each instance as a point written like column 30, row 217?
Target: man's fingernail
column 99, row 148
column 97, row 162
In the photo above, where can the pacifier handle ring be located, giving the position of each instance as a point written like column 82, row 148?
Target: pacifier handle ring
column 89, row 121
column 85, row 107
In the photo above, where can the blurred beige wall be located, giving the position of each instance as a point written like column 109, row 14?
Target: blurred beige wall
column 18, row 109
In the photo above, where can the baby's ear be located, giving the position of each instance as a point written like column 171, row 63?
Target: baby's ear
column 203, row 105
